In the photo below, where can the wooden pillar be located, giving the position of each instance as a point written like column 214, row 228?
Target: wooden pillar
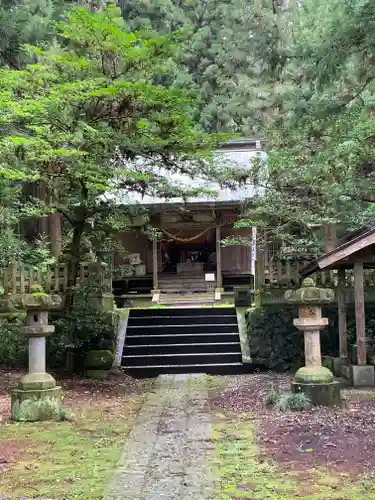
column 219, row 278
column 155, row 279
column 343, row 334
column 359, row 312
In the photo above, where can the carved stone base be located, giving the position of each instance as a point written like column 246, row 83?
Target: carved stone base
column 36, row 405
column 320, row 394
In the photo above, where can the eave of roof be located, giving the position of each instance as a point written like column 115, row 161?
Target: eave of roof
column 319, row 264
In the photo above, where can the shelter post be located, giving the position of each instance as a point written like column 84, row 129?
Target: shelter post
column 359, row 298
column 341, row 300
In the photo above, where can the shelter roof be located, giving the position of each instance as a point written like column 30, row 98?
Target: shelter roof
column 357, row 246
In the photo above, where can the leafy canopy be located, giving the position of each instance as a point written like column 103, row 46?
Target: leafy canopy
column 314, row 98
column 88, row 123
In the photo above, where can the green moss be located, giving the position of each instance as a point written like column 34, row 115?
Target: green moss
column 33, row 410
column 98, row 360
column 314, row 375
column 243, row 471
column 74, row 458
column 37, row 291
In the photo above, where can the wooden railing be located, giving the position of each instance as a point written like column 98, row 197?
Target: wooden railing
column 283, row 274
column 19, row 279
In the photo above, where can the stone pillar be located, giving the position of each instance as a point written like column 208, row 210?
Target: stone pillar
column 313, row 379
column 36, row 397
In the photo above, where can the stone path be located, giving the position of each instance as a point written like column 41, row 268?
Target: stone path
column 166, row 455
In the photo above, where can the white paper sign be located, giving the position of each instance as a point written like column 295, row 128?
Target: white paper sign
column 210, row 277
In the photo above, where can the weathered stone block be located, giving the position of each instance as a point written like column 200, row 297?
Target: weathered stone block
column 353, row 354
column 362, row 375
column 345, row 371
column 243, row 297
column 334, row 364
column 36, row 405
column 320, row 394
column 337, row 365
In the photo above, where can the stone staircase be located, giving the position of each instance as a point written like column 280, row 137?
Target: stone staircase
column 184, row 283
column 186, row 299
column 182, row 340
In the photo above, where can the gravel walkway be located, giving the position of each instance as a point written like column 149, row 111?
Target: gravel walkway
column 166, row 455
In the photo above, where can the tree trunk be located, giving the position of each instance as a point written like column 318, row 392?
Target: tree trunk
column 330, row 237
column 73, row 264
column 54, row 230
column 73, row 271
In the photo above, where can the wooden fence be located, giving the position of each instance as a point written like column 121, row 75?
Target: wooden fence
column 19, row 279
column 283, row 274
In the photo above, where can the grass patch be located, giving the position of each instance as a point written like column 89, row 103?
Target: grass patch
column 243, row 473
column 69, row 460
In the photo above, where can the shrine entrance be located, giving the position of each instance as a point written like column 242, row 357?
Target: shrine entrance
column 198, row 256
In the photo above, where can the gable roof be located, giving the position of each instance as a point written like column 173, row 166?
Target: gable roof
column 353, row 243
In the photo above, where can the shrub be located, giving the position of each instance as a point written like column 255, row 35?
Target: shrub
column 13, row 345
column 272, row 396
column 101, row 360
column 292, row 401
column 82, row 329
column 277, row 345
column 274, row 342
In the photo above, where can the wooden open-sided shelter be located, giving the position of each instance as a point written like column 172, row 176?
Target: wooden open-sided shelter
column 355, row 252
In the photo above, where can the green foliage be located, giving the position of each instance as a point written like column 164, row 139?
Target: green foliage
column 314, row 95
column 79, row 330
column 272, row 395
column 13, row 346
column 292, row 401
column 101, row 359
column 96, row 374
column 277, row 345
column 213, row 57
column 274, row 342
column 25, row 22
column 90, row 126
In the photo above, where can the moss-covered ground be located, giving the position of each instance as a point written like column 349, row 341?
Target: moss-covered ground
column 72, row 459
column 245, row 469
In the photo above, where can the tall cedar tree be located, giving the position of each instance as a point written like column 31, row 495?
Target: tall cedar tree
column 213, row 58
column 314, row 96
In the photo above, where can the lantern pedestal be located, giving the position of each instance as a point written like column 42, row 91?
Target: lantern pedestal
column 318, row 383
column 313, row 379
column 37, row 397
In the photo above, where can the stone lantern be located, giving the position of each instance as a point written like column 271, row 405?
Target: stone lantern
column 36, row 397
column 313, row 379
